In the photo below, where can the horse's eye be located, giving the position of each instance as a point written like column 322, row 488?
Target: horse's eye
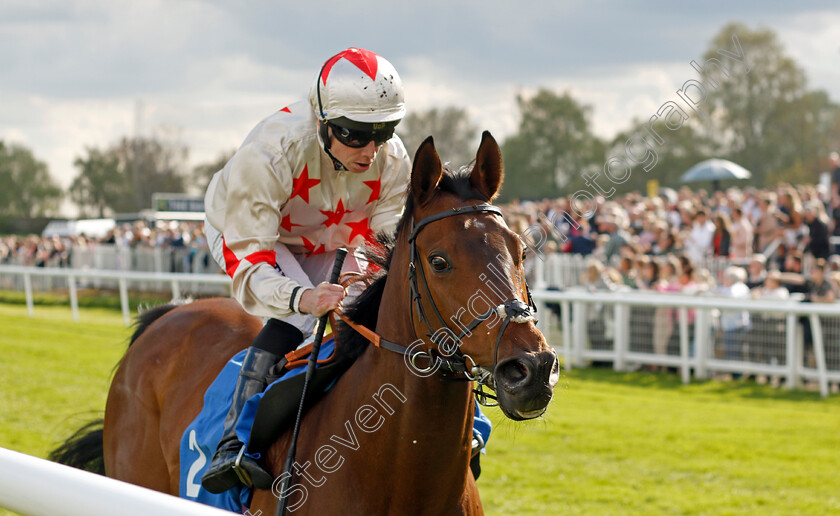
column 524, row 255
column 439, row 264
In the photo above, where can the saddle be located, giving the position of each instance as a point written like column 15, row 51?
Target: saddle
column 279, row 404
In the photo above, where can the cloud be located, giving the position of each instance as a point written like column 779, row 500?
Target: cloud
column 74, row 72
column 103, row 49
column 814, row 41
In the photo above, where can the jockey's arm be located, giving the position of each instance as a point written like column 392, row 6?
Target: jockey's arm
column 255, row 195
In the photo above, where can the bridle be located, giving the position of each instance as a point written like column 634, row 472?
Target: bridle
column 453, row 363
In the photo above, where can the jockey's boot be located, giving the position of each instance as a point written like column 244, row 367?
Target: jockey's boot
column 230, row 465
column 475, row 457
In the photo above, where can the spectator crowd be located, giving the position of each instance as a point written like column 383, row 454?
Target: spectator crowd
column 184, row 238
column 778, row 241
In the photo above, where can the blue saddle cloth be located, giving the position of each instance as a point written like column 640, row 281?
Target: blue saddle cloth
column 202, row 436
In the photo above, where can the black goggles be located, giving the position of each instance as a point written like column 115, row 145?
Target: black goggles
column 356, row 138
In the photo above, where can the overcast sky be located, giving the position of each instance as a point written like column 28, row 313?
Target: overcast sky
column 77, row 73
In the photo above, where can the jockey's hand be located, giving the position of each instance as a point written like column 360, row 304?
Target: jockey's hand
column 321, row 299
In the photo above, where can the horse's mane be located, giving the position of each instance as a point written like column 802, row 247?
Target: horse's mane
column 143, row 320
column 365, row 309
column 150, row 314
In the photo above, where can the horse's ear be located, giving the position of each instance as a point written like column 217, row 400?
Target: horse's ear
column 488, row 170
column 426, row 171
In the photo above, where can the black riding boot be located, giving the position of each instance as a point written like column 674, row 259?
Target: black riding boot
column 230, row 466
column 475, row 458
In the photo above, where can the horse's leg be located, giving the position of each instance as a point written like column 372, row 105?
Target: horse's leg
column 132, row 441
column 212, row 333
column 158, row 388
column 178, row 410
column 471, row 502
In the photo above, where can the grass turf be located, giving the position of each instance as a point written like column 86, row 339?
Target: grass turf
column 643, row 443
column 87, row 298
column 610, row 443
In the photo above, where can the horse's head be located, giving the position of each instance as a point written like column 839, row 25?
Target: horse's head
column 470, row 299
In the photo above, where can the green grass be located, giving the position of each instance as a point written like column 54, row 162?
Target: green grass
column 611, row 443
column 642, row 443
column 88, row 298
column 55, row 373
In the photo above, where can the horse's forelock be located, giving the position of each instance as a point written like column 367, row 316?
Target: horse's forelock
column 456, row 182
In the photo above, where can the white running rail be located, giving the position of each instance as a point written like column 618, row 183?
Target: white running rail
column 36, row 487
column 173, row 279
column 696, row 351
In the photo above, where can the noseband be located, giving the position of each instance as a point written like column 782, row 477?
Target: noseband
column 452, row 361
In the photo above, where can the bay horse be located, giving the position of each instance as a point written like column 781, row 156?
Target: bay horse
column 409, row 451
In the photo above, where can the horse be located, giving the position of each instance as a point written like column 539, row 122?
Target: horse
column 391, row 437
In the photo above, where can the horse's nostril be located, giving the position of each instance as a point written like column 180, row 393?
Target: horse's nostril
column 518, row 372
column 515, row 372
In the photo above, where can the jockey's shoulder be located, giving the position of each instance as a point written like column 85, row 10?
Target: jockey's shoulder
column 292, row 126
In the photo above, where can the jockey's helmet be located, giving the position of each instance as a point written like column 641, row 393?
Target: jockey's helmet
column 359, row 90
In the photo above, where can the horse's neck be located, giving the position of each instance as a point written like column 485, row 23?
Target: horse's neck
column 428, row 434
column 407, row 430
column 402, row 444
column 430, row 429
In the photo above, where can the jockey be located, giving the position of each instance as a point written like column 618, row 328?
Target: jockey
column 307, row 180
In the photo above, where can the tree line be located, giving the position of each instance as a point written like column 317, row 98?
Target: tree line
column 766, row 119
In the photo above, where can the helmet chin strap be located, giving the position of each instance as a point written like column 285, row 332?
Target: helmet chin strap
column 337, row 165
column 325, row 137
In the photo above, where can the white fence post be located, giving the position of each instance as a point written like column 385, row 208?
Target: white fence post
column 124, row 301
column 158, row 260
column 685, row 369
column 621, row 341
column 176, row 290
column 539, row 275
column 27, row 287
column 566, row 326
column 702, row 329
column 800, row 352
column 578, row 332
column 819, row 353
column 539, row 284
column 74, row 298
column 791, row 355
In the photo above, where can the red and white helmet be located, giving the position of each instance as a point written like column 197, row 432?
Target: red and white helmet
column 359, row 85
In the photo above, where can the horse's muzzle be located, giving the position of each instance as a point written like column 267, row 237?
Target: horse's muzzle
column 524, row 384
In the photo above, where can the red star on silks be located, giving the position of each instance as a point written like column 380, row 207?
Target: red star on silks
column 365, row 60
column 311, row 247
column 334, row 217
column 286, row 109
column 286, row 223
column 375, row 186
column 362, row 228
column 302, row 184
